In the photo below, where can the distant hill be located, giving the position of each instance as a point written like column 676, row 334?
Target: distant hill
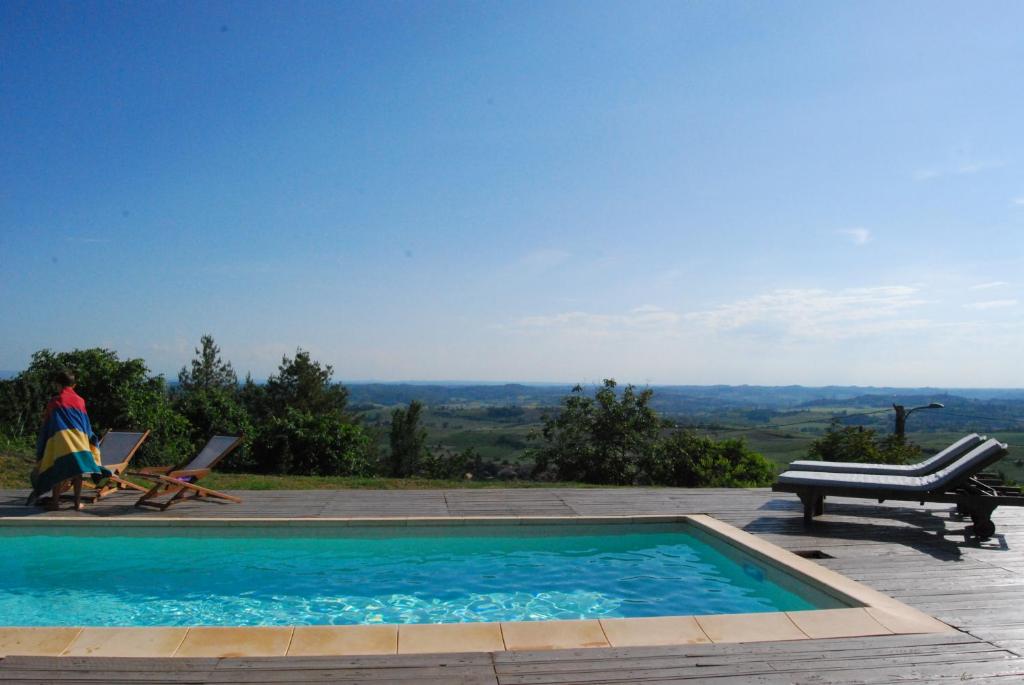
column 675, row 398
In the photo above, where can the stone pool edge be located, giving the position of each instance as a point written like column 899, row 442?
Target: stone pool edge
column 878, row 614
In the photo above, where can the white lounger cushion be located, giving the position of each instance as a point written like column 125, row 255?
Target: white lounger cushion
column 962, row 468
column 934, row 463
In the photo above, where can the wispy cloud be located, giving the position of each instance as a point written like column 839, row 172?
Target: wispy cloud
column 859, row 235
column 989, row 285
column 963, row 169
column 547, row 258
column 992, row 304
column 1019, row 201
column 784, row 315
column 818, row 314
column 87, row 239
column 645, row 317
column 240, row 268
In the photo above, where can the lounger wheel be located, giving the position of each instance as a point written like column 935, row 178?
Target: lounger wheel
column 983, row 527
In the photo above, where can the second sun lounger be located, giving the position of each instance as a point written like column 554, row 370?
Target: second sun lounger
column 178, row 483
column 956, row 484
column 938, row 461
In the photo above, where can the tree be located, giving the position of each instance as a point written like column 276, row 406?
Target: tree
column 599, row 439
column 304, row 384
column 209, row 398
column 119, row 393
column 208, row 370
column 859, row 444
column 302, row 425
column 622, row 440
column 408, row 441
column 22, row 399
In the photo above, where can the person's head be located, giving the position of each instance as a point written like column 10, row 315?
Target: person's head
column 64, row 378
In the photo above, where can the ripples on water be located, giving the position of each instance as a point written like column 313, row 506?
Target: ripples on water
column 357, row 576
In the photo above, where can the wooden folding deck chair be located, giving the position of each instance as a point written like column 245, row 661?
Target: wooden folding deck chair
column 178, row 483
column 962, row 483
column 116, row 449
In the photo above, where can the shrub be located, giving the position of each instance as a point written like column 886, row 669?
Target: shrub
column 860, row 444
column 685, row 459
column 302, row 443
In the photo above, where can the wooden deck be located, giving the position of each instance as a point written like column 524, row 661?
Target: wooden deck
column 923, row 556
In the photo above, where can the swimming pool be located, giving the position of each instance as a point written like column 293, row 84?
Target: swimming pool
column 266, row 575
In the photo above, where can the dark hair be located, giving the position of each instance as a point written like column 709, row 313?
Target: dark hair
column 65, row 377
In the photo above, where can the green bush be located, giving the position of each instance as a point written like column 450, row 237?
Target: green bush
column 685, row 459
column 860, row 444
column 439, row 465
column 301, row 443
column 217, row 411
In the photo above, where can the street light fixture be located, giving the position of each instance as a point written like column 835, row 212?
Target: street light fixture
column 902, row 413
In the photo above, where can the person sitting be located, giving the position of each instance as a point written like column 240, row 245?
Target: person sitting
column 66, row 450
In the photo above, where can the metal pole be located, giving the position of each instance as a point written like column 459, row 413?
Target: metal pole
column 901, row 420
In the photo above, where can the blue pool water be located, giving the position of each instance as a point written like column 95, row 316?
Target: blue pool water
column 258, row 576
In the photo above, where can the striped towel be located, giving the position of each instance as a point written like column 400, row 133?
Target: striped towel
column 66, row 446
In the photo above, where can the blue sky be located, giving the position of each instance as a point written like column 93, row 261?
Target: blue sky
column 704, row 192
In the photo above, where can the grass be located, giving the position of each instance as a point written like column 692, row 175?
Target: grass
column 16, row 463
column 251, row 481
column 15, row 466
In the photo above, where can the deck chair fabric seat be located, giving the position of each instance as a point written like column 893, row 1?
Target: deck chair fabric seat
column 957, row 484
column 179, row 483
column 117, row 448
column 934, row 463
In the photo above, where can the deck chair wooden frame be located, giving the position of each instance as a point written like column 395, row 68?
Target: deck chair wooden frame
column 973, row 494
column 116, row 482
column 168, row 481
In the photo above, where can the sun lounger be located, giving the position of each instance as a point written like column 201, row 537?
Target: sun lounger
column 178, row 483
column 957, row 484
column 116, row 449
column 939, row 461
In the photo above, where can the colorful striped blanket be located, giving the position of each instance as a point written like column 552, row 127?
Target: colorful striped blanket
column 66, row 446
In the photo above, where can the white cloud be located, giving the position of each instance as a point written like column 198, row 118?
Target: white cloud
column 87, row 240
column 645, row 317
column 859, row 236
column 991, row 304
column 963, row 169
column 1019, row 201
column 547, row 258
column 987, row 286
column 785, row 315
column 818, row 314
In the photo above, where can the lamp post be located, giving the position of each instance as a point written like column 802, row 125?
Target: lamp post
column 902, row 413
